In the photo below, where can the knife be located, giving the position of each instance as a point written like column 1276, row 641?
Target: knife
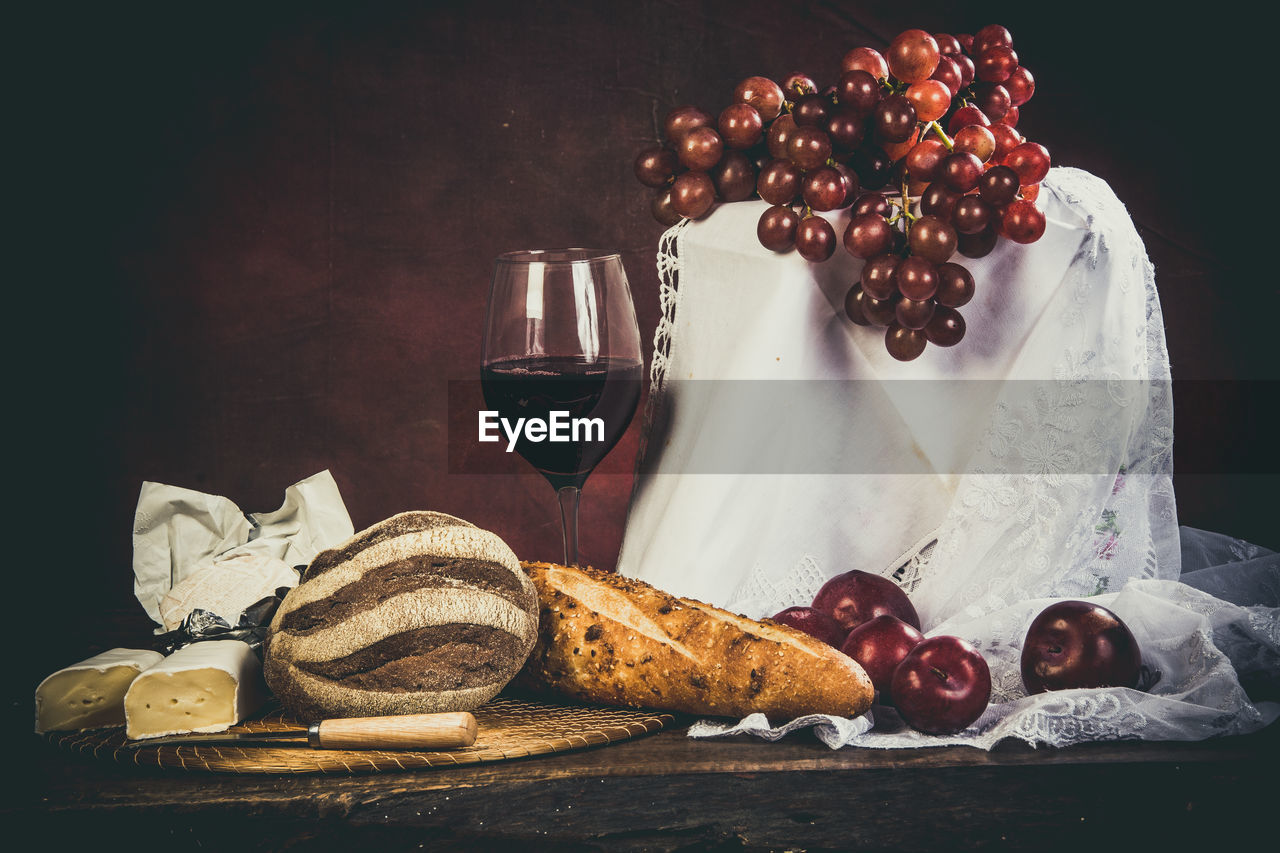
column 409, row 731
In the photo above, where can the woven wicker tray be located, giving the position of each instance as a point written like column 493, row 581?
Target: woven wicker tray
column 510, row 727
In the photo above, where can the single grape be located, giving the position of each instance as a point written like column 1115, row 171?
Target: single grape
column 780, row 134
column 872, row 165
column 846, row 129
column 894, row 118
column 853, row 306
column 960, row 171
column 1023, row 222
column 865, row 59
column 1006, row 140
column 700, row 149
column 662, row 209
column 779, row 182
column 681, row 120
column 850, row 179
column 858, row 90
column 871, row 203
column 968, row 71
column 656, row 166
column 760, row 156
column 912, row 56
column 868, row 235
column 996, row 64
column 1020, row 85
column 823, row 189
column 971, row 214
column 741, row 126
column 1030, row 160
column 946, row 327
column 763, row 94
column 1030, row 192
column 924, row 158
column 938, row 200
column 976, row 140
column 904, row 344
column 992, row 35
column 955, row 285
column 966, row 41
column 964, row 117
column 917, row 278
column 913, row 314
column 811, row 110
column 992, row 99
column 1010, row 117
column 879, row 312
column 948, row 74
column 734, row 177
column 776, row 229
column 815, row 239
column 977, row 245
column 798, row 83
column 692, row 194
column 931, row 99
column 896, row 151
column 879, row 276
column 948, row 45
column 933, row 239
column 809, row 147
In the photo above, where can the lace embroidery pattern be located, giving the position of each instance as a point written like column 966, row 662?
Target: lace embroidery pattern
column 668, row 262
column 1108, row 398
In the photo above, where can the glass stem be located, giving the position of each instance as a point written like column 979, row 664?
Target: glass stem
column 569, row 496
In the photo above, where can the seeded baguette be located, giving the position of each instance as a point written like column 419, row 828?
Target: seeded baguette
column 619, row 641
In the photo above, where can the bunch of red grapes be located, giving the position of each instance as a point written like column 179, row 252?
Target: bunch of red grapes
column 920, row 143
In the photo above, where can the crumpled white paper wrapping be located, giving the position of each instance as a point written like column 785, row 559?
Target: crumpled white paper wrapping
column 178, row 532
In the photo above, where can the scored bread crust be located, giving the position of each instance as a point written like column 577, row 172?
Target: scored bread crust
column 615, row 640
column 412, row 539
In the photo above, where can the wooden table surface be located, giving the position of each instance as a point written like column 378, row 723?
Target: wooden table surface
column 665, row 791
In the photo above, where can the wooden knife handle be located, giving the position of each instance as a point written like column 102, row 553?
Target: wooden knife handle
column 409, row 731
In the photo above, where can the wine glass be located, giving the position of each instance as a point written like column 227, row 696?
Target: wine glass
column 561, row 364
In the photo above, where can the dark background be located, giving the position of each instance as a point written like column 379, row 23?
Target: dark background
column 254, row 242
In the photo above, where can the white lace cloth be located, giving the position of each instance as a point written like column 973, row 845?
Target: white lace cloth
column 1195, row 650
column 1045, row 474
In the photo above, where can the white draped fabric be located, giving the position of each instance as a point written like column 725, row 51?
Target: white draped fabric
column 1029, row 463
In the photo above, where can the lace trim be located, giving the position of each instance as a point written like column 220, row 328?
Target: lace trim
column 669, row 267
column 912, row 570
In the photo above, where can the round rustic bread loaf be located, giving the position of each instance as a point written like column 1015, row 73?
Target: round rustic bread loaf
column 420, row 613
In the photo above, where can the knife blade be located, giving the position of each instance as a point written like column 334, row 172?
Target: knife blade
column 448, row 730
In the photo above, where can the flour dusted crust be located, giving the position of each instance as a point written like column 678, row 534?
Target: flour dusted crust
column 614, row 640
column 420, row 613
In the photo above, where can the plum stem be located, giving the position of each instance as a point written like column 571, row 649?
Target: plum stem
column 942, row 676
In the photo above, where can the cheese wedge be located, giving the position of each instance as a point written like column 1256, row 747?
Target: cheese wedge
column 203, row 687
column 90, row 694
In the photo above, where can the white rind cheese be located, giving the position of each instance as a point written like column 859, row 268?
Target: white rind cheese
column 90, row 694
column 204, row 687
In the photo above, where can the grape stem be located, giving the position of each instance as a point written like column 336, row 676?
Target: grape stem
column 906, row 205
column 937, row 128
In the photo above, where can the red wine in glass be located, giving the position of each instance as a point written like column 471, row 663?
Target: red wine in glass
column 599, row 399
column 562, row 349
